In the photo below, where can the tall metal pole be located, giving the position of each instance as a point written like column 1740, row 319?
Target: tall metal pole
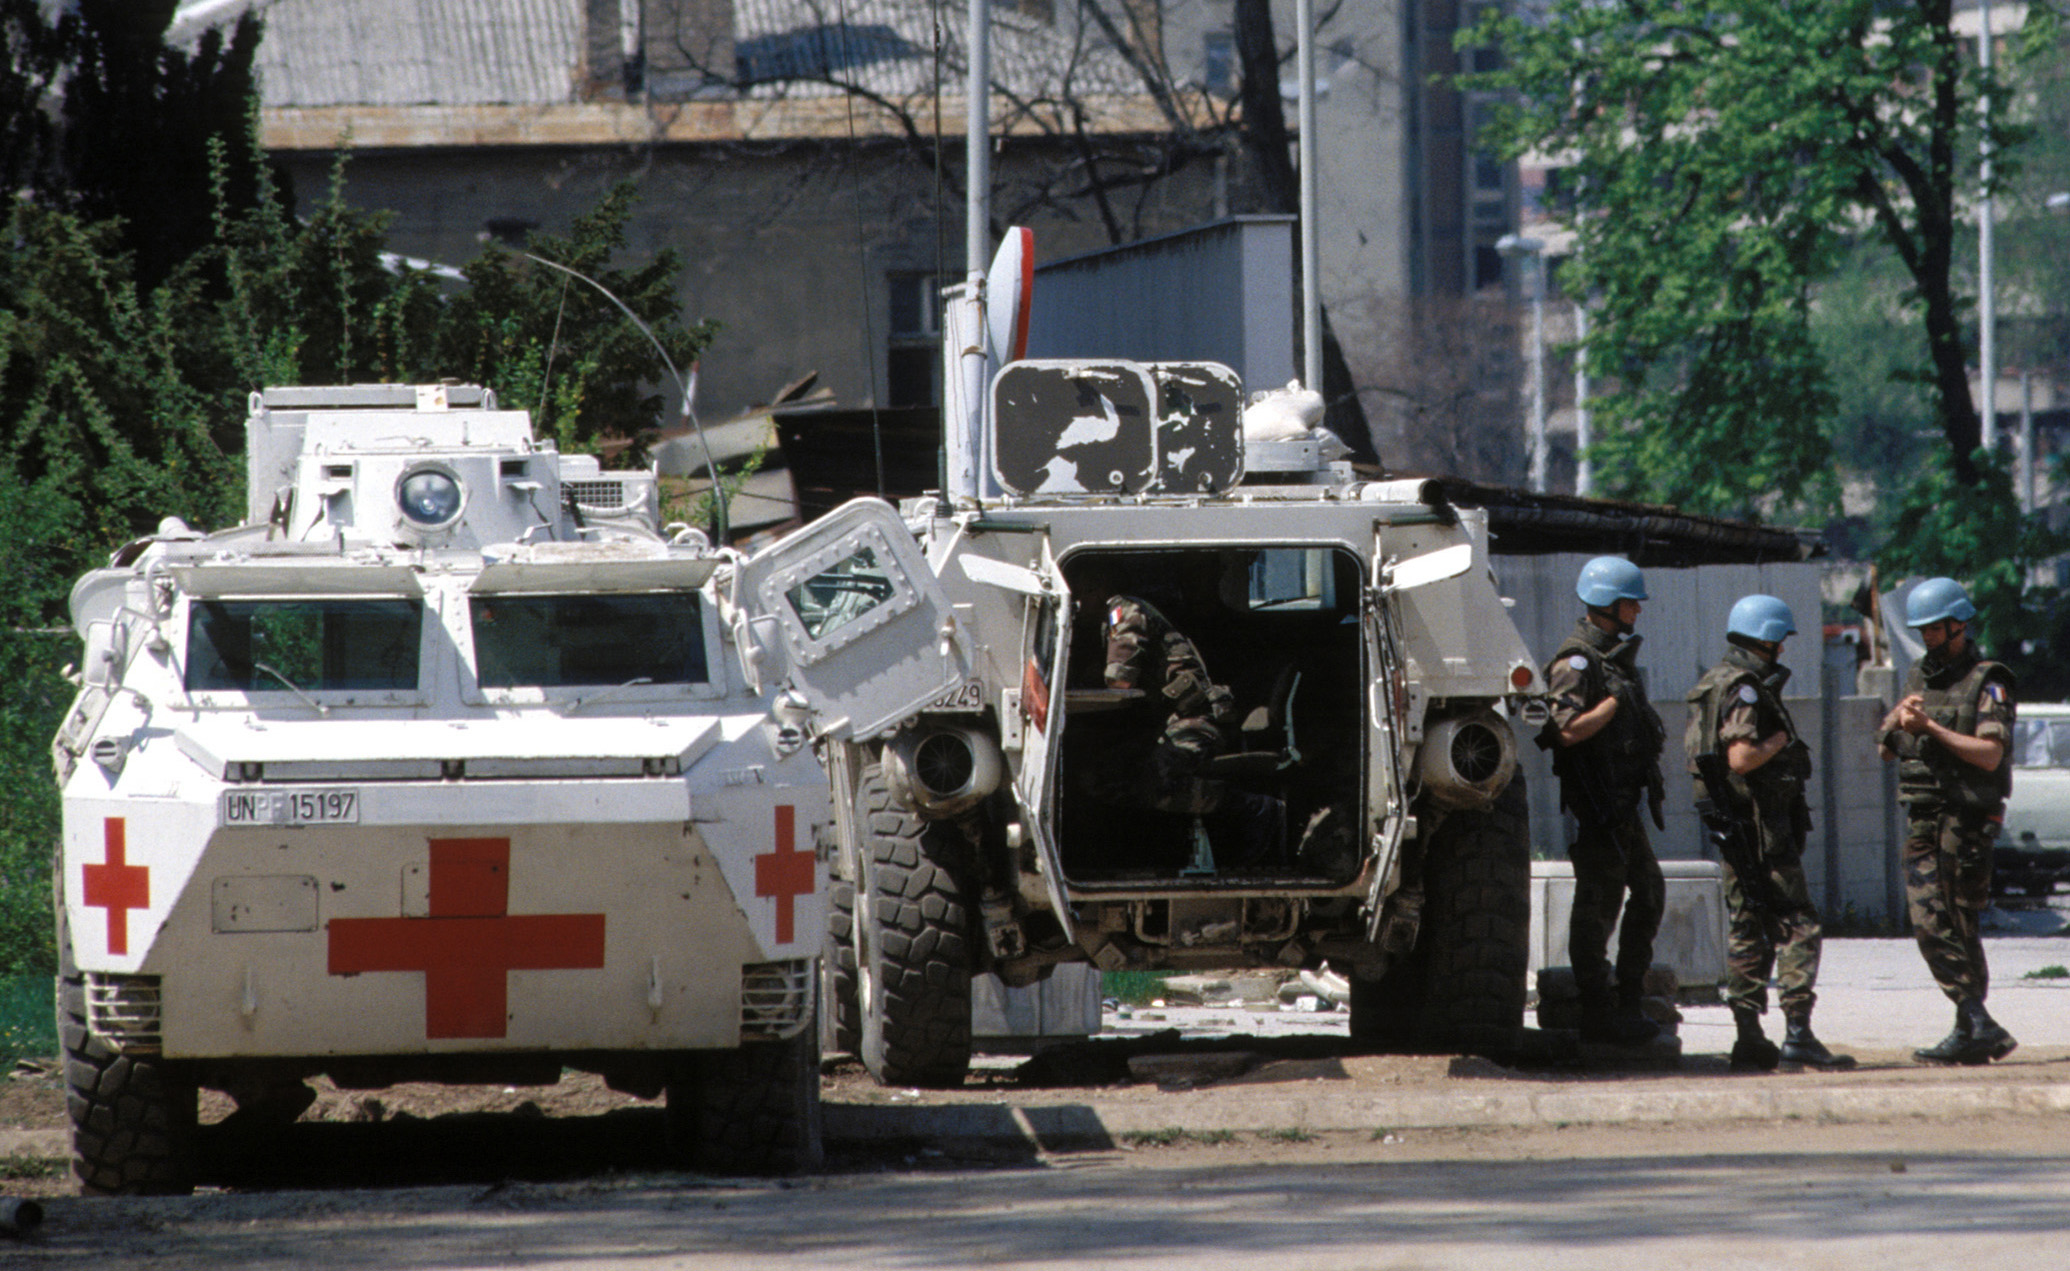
column 1987, row 292
column 1584, row 471
column 1513, row 246
column 977, row 143
column 2026, row 441
column 1311, row 255
column 1538, row 371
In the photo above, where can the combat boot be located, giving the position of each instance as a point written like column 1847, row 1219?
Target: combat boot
column 1948, row 1049
column 1987, row 1040
column 1752, row 1052
column 1800, row 1047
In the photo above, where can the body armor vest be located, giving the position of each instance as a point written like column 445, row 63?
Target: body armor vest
column 1929, row 772
column 1777, row 785
column 1627, row 751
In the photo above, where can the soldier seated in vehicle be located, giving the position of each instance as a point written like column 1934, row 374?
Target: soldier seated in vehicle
column 1182, row 724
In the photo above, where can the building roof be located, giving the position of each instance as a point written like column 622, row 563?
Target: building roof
column 420, row 52
column 320, row 57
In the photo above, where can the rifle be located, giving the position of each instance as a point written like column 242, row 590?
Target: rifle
column 1730, row 829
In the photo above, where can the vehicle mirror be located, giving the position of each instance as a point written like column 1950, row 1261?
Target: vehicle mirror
column 1431, row 567
column 100, row 667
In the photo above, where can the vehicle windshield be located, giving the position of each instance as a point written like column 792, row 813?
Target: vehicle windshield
column 314, row 645
column 1295, row 578
column 555, row 641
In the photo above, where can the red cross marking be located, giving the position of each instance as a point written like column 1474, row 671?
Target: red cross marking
column 116, row 885
column 785, row 873
column 470, row 943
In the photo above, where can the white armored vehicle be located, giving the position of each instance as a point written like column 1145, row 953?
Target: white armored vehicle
column 434, row 770
column 1008, row 800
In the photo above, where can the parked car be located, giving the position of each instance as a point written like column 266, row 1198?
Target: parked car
column 2033, row 854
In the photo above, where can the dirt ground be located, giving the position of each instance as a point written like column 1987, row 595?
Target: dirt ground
column 428, row 1134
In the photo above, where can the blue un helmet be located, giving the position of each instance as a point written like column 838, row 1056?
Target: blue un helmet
column 1936, row 599
column 1608, row 579
column 1764, row 618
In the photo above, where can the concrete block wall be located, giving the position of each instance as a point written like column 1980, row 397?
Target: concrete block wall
column 1065, row 1005
column 1850, row 858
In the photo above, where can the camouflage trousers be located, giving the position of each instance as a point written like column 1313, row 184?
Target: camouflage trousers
column 1169, row 778
column 1609, row 861
column 1246, row 829
column 1947, row 859
column 1781, row 938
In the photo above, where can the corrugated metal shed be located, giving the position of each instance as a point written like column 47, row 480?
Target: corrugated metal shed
column 1222, row 292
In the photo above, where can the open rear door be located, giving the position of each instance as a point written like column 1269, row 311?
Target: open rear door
column 1045, row 644
column 1038, row 704
column 1391, row 712
column 847, row 612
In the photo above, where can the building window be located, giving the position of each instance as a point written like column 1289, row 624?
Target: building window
column 913, row 357
column 1487, row 266
column 1218, row 63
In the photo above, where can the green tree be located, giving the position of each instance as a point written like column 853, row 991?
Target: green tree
column 137, row 120
column 1724, row 152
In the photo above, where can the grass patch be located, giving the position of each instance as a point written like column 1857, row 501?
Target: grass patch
column 2048, row 973
column 19, row 1167
column 1133, row 988
column 1292, row 1134
column 1172, row 1136
column 28, row 1019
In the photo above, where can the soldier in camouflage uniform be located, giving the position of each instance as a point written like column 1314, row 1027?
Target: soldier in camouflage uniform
column 1750, row 769
column 1145, row 651
column 1950, row 736
column 1606, row 742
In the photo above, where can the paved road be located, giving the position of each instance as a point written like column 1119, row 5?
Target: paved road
column 1883, row 1197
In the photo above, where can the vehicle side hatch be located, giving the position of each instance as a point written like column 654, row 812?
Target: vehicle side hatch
column 847, row 613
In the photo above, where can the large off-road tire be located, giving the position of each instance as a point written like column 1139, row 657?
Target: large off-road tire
column 1463, row 986
column 133, row 1116
column 840, row 994
column 754, row 1110
column 914, row 946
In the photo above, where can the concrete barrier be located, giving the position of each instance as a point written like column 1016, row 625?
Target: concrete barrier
column 1692, row 931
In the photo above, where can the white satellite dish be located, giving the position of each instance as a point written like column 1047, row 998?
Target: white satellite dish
column 1009, row 291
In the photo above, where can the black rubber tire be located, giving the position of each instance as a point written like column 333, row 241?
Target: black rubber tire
column 840, row 995
column 754, row 1110
column 1464, row 984
column 133, row 1116
column 915, row 948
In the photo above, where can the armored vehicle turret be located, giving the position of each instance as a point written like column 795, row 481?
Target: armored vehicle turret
column 435, row 769
column 1151, row 695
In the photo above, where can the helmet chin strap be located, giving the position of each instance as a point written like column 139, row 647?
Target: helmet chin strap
column 1617, row 624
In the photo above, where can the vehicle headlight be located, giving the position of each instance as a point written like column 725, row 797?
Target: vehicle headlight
column 430, row 498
